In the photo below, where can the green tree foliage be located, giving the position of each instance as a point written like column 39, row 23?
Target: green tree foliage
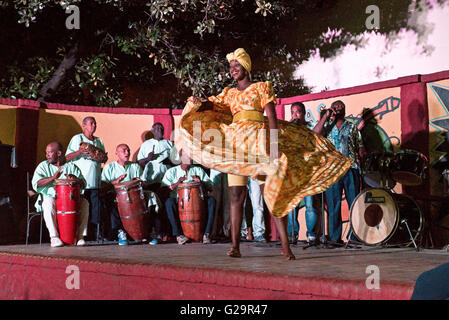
column 181, row 43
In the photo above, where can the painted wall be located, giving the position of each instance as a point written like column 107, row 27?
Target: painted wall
column 438, row 104
column 7, row 124
column 113, row 129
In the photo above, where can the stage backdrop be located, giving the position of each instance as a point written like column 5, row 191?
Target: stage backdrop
column 405, row 113
column 7, row 124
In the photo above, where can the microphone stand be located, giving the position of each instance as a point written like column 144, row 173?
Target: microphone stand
column 323, row 242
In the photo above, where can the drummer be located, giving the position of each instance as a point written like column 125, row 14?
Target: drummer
column 183, row 173
column 90, row 169
column 113, row 173
column 56, row 167
column 154, row 156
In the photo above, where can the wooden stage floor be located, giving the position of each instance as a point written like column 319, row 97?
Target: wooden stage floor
column 203, row 272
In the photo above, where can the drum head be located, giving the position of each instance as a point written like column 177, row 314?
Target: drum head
column 128, row 185
column 188, row 185
column 407, row 178
column 374, row 180
column 65, row 182
column 374, row 216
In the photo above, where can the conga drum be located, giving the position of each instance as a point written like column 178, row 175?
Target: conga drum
column 132, row 209
column 191, row 208
column 68, row 209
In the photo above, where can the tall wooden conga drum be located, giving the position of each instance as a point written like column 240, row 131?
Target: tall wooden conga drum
column 192, row 211
column 68, row 200
column 132, row 209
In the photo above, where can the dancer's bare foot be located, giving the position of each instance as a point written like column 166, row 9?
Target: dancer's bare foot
column 289, row 255
column 234, row 253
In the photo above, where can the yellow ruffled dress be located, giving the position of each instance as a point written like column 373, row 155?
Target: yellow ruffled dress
column 231, row 138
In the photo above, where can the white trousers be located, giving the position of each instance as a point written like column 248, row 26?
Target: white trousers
column 49, row 209
column 258, row 222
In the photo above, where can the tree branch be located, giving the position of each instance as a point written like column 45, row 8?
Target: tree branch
column 58, row 76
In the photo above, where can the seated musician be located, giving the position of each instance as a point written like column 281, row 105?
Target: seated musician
column 113, row 173
column 153, row 156
column 183, row 173
column 56, row 167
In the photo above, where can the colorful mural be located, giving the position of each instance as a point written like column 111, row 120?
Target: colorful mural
column 439, row 147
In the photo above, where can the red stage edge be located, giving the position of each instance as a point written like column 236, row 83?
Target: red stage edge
column 36, row 277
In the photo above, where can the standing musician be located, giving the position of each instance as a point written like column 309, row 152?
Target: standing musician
column 183, row 173
column 345, row 136
column 298, row 113
column 55, row 167
column 90, row 167
column 113, row 173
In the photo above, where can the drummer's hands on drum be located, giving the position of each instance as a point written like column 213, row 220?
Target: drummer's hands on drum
column 82, row 151
column 196, row 178
column 119, row 179
column 57, row 173
column 175, row 185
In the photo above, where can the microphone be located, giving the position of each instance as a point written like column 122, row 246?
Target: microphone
column 331, row 113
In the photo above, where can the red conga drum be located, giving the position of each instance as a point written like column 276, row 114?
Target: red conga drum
column 68, row 209
column 191, row 208
column 132, row 209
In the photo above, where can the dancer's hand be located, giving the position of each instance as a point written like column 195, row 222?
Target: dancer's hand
column 198, row 100
column 204, row 104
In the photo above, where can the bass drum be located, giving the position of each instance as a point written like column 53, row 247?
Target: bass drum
column 377, row 217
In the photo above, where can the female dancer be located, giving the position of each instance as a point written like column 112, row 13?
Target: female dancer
column 290, row 162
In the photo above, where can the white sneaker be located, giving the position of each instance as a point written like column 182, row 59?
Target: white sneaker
column 56, row 242
column 311, row 239
column 81, row 243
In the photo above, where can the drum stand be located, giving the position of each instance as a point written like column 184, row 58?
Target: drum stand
column 404, row 221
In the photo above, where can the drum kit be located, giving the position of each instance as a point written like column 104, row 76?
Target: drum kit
column 378, row 216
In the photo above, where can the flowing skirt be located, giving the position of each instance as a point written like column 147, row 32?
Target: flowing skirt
column 307, row 164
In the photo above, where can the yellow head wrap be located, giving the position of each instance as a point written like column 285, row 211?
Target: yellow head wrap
column 242, row 57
